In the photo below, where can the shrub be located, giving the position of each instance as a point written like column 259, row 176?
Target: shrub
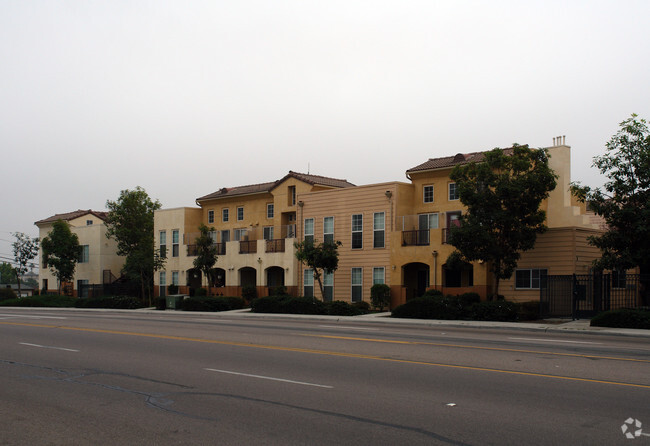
column 288, row 305
column 362, row 305
column 7, row 293
column 249, row 293
column 380, row 296
column 624, row 318
column 278, row 291
column 205, row 303
column 271, row 304
column 529, row 311
column 340, row 308
column 201, row 292
column 161, row 303
column 40, row 301
column 432, row 292
column 172, row 289
column 431, row 307
column 114, row 302
column 499, row 310
column 467, row 299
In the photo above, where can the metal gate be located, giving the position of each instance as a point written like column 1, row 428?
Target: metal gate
column 579, row 296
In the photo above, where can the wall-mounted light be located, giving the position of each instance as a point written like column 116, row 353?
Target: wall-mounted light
column 301, row 203
column 388, row 194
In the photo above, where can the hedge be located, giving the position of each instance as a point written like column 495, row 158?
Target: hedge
column 204, row 303
column 464, row 307
column 624, row 318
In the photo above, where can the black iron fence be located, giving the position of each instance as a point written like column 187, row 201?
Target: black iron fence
column 579, row 296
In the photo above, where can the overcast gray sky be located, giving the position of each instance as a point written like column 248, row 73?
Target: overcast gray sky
column 183, row 98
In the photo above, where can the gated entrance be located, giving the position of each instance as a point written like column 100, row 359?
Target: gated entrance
column 580, row 296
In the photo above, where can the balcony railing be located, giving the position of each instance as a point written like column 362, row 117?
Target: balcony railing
column 415, row 238
column 247, row 246
column 192, row 250
column 275, row 245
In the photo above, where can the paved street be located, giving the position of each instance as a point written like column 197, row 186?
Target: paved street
column 105, row 377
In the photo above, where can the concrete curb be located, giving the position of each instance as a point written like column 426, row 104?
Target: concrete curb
column 568, row 326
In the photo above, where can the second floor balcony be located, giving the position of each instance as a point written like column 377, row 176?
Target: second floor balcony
column 418, row 237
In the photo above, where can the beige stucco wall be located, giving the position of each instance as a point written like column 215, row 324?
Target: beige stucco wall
column 102, row 252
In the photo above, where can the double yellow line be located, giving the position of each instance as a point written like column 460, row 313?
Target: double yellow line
column 349, row 355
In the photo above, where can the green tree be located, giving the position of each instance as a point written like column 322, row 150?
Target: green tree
column 502, row 194
column 624, row 201
column 7, row 274
column 206, row 253
column 130, row 223
column 322, row 257
column 25, row 250
column 380, row 296
column 61, row 251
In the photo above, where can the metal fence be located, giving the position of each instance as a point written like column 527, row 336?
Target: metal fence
column 579, row 296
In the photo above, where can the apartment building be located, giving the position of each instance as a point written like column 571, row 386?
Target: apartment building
column 98, row 261
column 254, row 229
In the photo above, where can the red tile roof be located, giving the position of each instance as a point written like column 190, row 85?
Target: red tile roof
column 72, row 215
column 451, row 161
column 267, row 187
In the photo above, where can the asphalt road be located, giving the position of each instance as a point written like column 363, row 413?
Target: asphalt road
column 77, row 378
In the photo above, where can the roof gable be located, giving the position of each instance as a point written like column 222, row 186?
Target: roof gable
column 68, row 216
column 452, row 161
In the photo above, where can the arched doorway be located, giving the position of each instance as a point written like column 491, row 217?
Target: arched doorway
column 218, row 277
column 415, row 279
column 274, row 277
column 247, row 276
column 194, row 278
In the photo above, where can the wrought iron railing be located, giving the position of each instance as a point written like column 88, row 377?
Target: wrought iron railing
column 418, row 237
column 275, row 245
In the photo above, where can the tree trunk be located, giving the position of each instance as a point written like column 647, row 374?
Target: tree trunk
column 320, row 285
column 18, row 280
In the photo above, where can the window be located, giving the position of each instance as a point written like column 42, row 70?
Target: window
column 428, row 221
column 240, row 234
column 225, row 236
column 308, row 289
column 309, row 230
column 357, row 231
column 163, row 283
column 210, row 216
column 357, row 284
column 84, row 254
column 175, row 243
column 163, row 244
column 427, row 194
column 328, row 229
column 268, row 232
column 529, row 278
column 453, row 192
column 619, row 278
column 378, row 275
column 89, row 222
column 292, row 195
column 82, row 287
column 213, row 236
column 240, row 213
column 328, row 286
column 225, row 215
column 175, row 278
column 378, row 230
column 270, row 211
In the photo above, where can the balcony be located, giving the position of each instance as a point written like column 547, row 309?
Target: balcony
column 419, row 237
column 275, row 245
column 247, row 246
column 192, row 250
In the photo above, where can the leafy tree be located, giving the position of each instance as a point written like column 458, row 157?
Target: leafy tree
column 322, row 257
column 61, row 251
column 25, row 250
column 502, row 194
column 624, row 202
column 7, row 274
column 380, row 295
column 206, row 255
column 130, row 223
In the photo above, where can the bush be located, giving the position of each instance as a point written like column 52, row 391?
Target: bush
column 431, row 307
column 467, row 299
column 624, row 318
column 432, row 292
column 340, row 308
column 201, row 292
column 362, row 305
column 113, row 302
column 278, row 291
column 172, row 289
column 498, row 310
column 380, row 296
column 7, row 293
column 205, row 303
column 529, row 311
column 160, row 303
column 249, row 293
column 288, row 305
column 40, row 301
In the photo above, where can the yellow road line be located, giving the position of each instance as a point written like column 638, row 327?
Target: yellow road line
column 328, row 353
column 501, row 349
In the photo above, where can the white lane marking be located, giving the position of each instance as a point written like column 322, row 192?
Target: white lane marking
column 270, row 378
column 557, row 340
column 9, row 316
column 47, row 346
column 348, row 328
